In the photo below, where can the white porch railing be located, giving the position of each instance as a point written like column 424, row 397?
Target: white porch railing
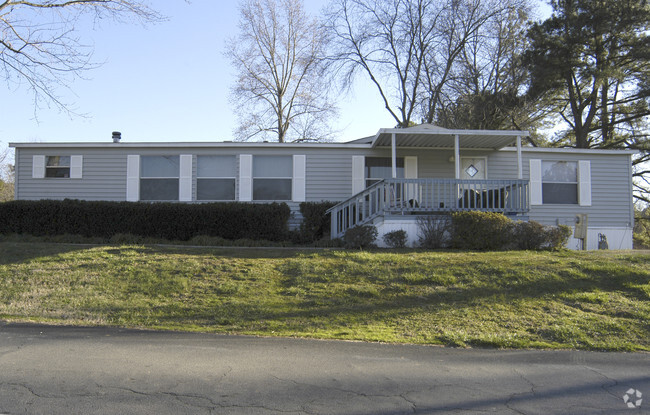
column 429, row 196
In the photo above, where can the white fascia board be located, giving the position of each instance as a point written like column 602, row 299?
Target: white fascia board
column 303, row 146
column 440, row 148
column 513, row 133
column 570, row 150
column 188, row 145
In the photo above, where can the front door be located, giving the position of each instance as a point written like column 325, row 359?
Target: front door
column 473, row 168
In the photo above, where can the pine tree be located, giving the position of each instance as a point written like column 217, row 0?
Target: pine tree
column 591, row 60
column 593, row 56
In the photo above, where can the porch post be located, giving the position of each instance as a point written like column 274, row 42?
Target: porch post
column 393, row 155
column 457, row 156
column 520, row 173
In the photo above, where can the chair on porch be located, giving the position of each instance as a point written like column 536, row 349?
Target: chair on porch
column 399, row 198
column 494, row 198
column 470, row 199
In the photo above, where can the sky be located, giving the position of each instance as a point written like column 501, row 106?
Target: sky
column 167, row 81
column 164, row 82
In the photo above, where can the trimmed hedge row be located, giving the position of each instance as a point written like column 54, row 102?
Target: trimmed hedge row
column 177, row 221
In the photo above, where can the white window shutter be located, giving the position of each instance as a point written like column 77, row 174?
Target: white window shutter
column 535, row 182
column 584, row 183
column 185, row 183
column 299, row 175
column 245, row 177
column 411, row 167
column 38, row 167
column 132, row 178
column 76, row 166
column 358, row 174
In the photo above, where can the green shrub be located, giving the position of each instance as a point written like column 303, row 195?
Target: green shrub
column 480, row 230
column 532, row 235
column 641, row 236
column 171, row 221
column 433, row 231
column 360, row 237
column 529, row 235
column 493, row 231
column 316, row 223
column 641, row 241
column 395, row 239
column 558, row 236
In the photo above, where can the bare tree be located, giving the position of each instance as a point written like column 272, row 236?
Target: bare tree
column 40, row 45
column 388, row 41
column 488, row 89
column 410, row 49
column 465, row 45
column 281, row 91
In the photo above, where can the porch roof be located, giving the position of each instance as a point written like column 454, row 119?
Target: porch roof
column 432, row 136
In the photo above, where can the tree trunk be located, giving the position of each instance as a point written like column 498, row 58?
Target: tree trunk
column 605, row 112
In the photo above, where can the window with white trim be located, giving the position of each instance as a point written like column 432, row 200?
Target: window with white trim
column 159, row 178
column 57, row 166
column 560, row 182
column 379, row 168
column 215, row 177
column 272, row 177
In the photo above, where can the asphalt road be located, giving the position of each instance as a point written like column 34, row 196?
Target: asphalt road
column 64, row 370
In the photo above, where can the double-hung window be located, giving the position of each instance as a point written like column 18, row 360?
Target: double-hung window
column 61, row 167
column 215, row 177
column 159, row 178
column 57, row 166
column 560, row 182
column 379, row 168
column 272, row 177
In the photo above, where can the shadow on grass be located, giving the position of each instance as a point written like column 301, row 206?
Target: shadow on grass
column 327, row 309
column 323, row 294
column 22, row 252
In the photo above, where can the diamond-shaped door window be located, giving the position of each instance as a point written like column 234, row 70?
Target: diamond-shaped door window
column 471, row 170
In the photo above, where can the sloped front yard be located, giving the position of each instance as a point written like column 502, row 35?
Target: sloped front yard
column 594, row 300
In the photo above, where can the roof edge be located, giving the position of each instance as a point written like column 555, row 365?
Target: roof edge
column 513, row 133
column 187, row 144
column 571, row 150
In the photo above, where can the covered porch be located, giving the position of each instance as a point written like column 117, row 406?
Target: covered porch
column 411, row 195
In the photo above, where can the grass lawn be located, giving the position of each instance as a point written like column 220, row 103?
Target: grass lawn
column 582, row 300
